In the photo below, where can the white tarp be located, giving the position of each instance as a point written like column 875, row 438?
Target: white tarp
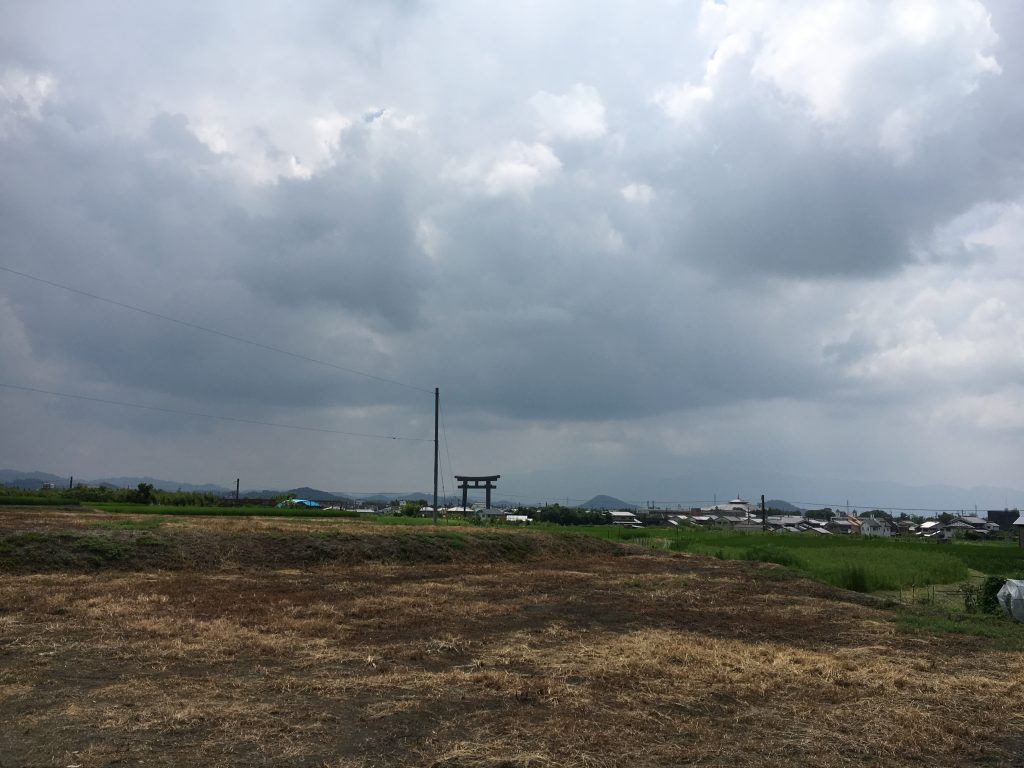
column 1011, row 597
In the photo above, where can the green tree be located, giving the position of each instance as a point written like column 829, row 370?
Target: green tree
column 412, row 508
column 143, row 494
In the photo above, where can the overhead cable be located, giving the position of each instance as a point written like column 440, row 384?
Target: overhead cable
column 236, row 419
column 215, row 332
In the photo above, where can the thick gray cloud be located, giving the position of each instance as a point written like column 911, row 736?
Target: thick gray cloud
column 616, row 238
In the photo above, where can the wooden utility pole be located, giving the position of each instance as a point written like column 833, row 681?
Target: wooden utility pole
column 437, row 411
column 238, row 484
column 764, row 515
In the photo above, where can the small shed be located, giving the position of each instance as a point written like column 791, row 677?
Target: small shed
column 1019, row 527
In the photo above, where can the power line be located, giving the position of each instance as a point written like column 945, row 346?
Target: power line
column 692, row 503
column 236, row 419
column 868, row 507
column 444, row 432
column 813, row 505
column 213, row 331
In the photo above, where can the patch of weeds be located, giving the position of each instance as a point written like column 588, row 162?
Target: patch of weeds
column 1004, row 634
column 28, row 538
column 854, row 578
column 456, row 540
column 322, row 535
column 100, row 548
column 772, row 555
column 516, row 548
column 37, row 501
column 139, row 524
column 149, row 540
column 653, row 542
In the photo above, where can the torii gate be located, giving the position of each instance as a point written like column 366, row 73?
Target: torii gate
column 481, row 481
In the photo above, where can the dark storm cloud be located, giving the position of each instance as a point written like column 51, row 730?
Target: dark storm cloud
column 770, row 195
column 136, row 225
column 556, row 320
column 343, row 240
column 557, row 213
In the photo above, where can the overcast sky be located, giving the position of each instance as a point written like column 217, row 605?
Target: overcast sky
column 643, row 248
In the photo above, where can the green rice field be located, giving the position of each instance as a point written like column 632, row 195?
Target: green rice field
column 865, row 565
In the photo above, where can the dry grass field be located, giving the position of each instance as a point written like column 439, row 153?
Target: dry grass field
column 537, row 651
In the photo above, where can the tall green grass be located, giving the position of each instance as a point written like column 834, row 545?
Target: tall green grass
column 991, row 557
column 861, row 565
column 165, row 509
column 36, row 501
column 851, row 562
column 1005, row 635
column 298, row 513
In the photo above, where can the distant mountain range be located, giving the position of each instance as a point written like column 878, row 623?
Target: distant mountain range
column 30, row 480
column 607, row 502
column 33, row 481
column 782, row 506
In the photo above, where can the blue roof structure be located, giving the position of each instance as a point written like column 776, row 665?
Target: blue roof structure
column 298, row 503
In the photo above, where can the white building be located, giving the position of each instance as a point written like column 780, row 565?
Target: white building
column 621, row 517
column 873, row 526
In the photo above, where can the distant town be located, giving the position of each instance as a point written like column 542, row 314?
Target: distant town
column 737, row 514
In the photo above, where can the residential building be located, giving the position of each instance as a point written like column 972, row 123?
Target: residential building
column 1003, row 518
column 875, row 526
column 840, row 525
column 623, row 517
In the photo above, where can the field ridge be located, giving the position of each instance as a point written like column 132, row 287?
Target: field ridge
column 148, row 543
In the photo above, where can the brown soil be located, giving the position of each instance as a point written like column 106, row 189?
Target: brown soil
column 572, row 657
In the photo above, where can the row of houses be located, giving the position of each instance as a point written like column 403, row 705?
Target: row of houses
column 740, row 515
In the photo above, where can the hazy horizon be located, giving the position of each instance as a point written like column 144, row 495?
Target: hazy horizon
column 808, row 493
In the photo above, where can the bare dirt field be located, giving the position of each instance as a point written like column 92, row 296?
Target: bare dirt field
column 209, row 642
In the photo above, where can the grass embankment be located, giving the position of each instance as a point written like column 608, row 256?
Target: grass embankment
column 1003, row 634
column 863, row 565
column 118, row 508
column 850, row 562
column 857, row 564
column 91, row 541
column 297, row 513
